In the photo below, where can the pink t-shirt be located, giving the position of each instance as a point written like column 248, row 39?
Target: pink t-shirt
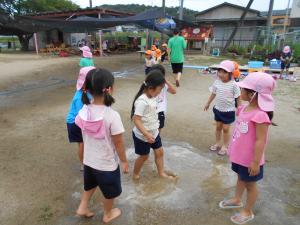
column 98, row 123
column 242, row 146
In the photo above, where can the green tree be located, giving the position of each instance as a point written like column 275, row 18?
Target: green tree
column 22, row 7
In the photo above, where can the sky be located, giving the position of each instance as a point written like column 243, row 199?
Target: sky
column 198, row 5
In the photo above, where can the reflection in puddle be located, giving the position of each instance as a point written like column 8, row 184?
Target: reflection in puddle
column 202, row 184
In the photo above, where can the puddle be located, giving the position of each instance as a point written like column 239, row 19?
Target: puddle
column 202, row 183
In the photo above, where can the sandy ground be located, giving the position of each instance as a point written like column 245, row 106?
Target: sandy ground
column 40, row 181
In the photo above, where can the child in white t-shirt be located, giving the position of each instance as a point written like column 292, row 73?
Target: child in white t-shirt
column 162, row 97
column 149, row 61
column 102, row 132
column 145, row 132
column 225, row 91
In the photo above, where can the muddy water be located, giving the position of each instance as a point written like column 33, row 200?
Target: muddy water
column 193, row 199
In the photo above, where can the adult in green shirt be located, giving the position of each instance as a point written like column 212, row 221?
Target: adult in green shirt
column 176, row 47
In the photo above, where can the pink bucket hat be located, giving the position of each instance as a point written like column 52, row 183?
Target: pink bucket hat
column 263, row 84
column 82, row 75
column 286, row 49
column 86, row 52
column 227, row 65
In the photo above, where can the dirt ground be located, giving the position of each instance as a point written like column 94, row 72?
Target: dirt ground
column 40, row 181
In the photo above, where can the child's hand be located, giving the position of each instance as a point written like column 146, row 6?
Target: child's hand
column 206, row 107
column 254, row 169
column 149, row 137
column 125, row 167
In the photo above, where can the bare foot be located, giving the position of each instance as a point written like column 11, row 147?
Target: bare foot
column 113, row 214
column 177, row 83
column 84, row 213
column 169, row 175
column 136, row 177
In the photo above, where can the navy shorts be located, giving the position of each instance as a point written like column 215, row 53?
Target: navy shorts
column 242, row 171
column 177, row 67
column 74, row 133
column 147, row 70
column 161, row 118
column 285, row 66
column 143, row 148
column 224, row 117
column 109, row 182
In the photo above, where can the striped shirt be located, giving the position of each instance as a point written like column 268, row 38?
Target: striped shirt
column 226, row 93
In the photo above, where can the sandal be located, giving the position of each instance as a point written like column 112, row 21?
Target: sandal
column 214, row 148
column 222, row 152
column 240, row 219
column 227, row 204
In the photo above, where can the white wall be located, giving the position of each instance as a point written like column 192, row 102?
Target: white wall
column 295, row 13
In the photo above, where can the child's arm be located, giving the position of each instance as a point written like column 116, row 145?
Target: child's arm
column 137, row 120
column 210, row 99
column 120, row 149
column 261, row 135
column 239, row 102
column 171, row 88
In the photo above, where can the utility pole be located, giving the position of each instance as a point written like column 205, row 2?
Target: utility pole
column 269, row 21
column 91, row 3
column 181, row 10
column 238, row 25
column 286, row 20
column 164, row 10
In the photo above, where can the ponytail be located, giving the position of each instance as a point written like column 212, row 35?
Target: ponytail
column 140, row 92
column 85, row 99
column 108, row 99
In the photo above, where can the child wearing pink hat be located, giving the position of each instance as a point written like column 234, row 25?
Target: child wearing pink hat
column 247, row 147
column 286, row 58
column 102, row 132
column 87, row 57
column 74, row 132
column 226, row 92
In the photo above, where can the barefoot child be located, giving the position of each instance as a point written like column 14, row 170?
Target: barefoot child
column 249, row 141
column 74, row 132
column 149, row 61
column 162, row 97
column 145, row 132
column 87, row 57
column 102, row 132
column 225, row 90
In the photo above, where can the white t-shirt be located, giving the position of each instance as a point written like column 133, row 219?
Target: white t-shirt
column 226, row 93
column 162, row 100
column 149, row 62
column 100, row 154
column 146, row 108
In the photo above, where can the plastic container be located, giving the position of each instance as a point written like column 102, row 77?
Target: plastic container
column 255, row 64
column 275, row 64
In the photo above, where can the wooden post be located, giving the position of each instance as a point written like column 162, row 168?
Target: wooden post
column 36, row 44
column 100, row 38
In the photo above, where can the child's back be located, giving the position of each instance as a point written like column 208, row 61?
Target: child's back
column 98, row 124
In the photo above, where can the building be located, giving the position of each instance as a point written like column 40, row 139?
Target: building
column 57, row 37
column 280, row 18
column 295, row 14
column 224, row 17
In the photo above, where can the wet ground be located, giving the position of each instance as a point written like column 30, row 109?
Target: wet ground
column 39, row 171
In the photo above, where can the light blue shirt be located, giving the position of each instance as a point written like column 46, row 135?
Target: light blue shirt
column 75, row 106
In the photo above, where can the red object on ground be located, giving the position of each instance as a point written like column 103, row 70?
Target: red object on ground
column 63, row 54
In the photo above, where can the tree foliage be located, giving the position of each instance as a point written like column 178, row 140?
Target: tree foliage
column 33, row 6
column 188, row 14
